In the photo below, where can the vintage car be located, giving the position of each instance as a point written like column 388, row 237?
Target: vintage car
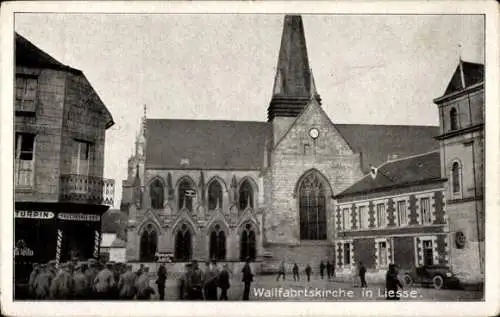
column 439, row 276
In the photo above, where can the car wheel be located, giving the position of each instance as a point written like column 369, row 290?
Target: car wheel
column 408, row 280
column 438, row 282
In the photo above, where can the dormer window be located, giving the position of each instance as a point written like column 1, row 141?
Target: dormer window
column 453, row 119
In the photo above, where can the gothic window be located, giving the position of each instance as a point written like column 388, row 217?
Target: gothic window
column 186, row 195
column 214, row 195
column 156, row 193
column 183, row 244
column 217, row 244
column 312, row 204
column 246, row 195
column 453, row 119
column 455, row 178
column 247, row 243
column 149, row 242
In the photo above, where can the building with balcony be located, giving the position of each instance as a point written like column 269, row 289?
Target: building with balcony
column 394, row 214
column 461, row 138
column 60, row 192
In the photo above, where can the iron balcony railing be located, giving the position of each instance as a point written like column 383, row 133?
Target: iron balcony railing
column 87, row 189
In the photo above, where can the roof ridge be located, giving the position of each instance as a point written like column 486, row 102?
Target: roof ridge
column 408, row 157
column 206, row 120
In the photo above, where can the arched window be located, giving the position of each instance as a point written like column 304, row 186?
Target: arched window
column 453, row 119
column 455, row 178
column 214, row 195
column 247, row 243
column 149, row 242
column 156, row 193
column 186, row 195
column 183, row 244
column 246, row 195
column 312, row 208
column 217, row 244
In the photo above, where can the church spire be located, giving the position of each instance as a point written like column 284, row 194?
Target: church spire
column 292, row 84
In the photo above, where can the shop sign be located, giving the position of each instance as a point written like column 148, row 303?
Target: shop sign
column 78, row 217
column 164, row 257
column 34, row 214
column 21, row 249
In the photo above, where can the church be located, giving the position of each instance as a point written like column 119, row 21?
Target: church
column 232, row 190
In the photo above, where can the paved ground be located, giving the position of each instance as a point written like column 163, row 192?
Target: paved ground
column 266, row 288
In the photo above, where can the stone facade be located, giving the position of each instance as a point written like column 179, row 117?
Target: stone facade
column 461, row 114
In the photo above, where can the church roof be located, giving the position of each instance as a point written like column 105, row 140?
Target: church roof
column 206, row 144
column 240, row 145
column 411, row 170
column 473, row 73
column 293, row 81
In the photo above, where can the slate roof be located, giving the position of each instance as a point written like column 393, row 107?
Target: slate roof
column 377, row 143
column 473, row 74
column 212, row 144
column 405, row 171
column 118, row 243
column 207, row 144
column 114, row 221
column 28, row 54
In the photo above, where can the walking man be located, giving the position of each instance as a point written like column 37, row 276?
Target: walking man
column 362, row 272
column 308, row 272
column 295, row 272
column 160, row 281
column 33, row 276
column 126, row 284
column 80, row 283
column 104, row 282
column 329, row 269
column 247, row 279
column 195, row 282
column 281, row 271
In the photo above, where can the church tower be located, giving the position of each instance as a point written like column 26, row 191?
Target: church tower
column 293, row 83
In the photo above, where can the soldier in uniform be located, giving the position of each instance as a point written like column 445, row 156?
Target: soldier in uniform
column 247, row 279
column 183, row 282
column 104, row 282
column 91, row 274
column 33, row 276
column 62, row 284
column 195, row 282
column 42, row 283
column 142, row 284
column 80, row 283
column 126, row 284
column 211, row 277
column 160, row 281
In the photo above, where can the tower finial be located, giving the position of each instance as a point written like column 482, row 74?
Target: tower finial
column 460, row 65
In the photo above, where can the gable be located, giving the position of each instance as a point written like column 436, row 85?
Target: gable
column 473, row 73
column 298, row 140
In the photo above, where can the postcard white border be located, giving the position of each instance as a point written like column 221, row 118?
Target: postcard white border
column 489, row 307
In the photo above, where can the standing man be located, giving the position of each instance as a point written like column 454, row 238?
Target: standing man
column 211, row 276
column 183, row 282
column 308, row 272
column 42, row 283
column 322, row 269
column 224, row 282
column 281, row 271
column 80, row 283
column 33, row 276
column 160, row 281
column 295, row 272
column 126, row 284
column 329, row 269
column 91, row 274
column 61, row 287
column 362, row 272
column 247, row 279
column 104, row 282
column 195, row 283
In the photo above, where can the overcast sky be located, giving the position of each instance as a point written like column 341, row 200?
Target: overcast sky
column 367, row 69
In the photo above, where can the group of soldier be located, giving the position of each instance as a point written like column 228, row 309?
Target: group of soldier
column 88, row 280
column 76, row 280
column 196, row 284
